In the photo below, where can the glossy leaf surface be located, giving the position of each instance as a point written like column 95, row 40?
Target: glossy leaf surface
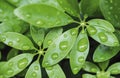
column 37, row 34
column 90, row 67
column 34, row 70
column 102, row 23
column 103, row 53
column 55, row 71
column 102, row 36
column 39, row 17
column 17, row 41
column 110, row 9
column 114, row 68
column 70, row 6
column 62, row 45
column 79, row 52
column 16, row 64
column 51, row 36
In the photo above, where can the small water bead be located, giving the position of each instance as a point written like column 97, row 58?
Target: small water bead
column 3, row 39
column 93, row 70
column 36, row 67
column 39, row 42
column 63, row 45
column 75, row 70
column 18, row 39
column 92, row 30
column 10, row 43
column 74, row 32
column 81, row 59
column 111, row 1
column 46, row 64
column 111, row 8
column 25, row 47
column 34, row 74
column 49, row 68
column 10, row 64
column 103, row 37
column 49, row 42
column 54, row 56
column 22, row 63
column 39, row 22
column 10, row 72
column 28, row 15
column 115, row 71
column 82, row 45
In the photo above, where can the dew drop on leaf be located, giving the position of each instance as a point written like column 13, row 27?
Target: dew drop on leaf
column 92, row 30
column 82, row 45
column 103, row 37
column 54, row 56
column 49, row 42
column 22, row 63
column 34, row 74
column 10, row 64
column 93, row 70
column 81, row 59
column 36, row 68
column 73, row 32
column 25, row 47
column 3, row 39
column 10, row 72
column 39, row 22
column 10, row 43
column 63, row 45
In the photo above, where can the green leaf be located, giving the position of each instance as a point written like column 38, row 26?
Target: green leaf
column 34, row 71
column 91, row 67
column 1, row 65
column 103, row 65
column 104, row 53
column 102, row 23
column 51, row 36
column 89, row 7
column 55, row 72
column 60, row 48
column 7, row 17
column 37, row 34
column 114, row 68
column 88, row 76
column 110, row 10
column 102, row 36
column 103, row 74
column 13, row 52
column 39, row 17
column 79, row 52
column 17, row 41
column 70, row 6
column 16, row 64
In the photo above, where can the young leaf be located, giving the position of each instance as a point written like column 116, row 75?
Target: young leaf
column 17, row 41
column 103, row 53
column 102, row 23
column 70, row 6
column 37, row 34
column 55, row 71
column 51, row 36
column 90, row 67
column 34, row 71
column 60, row 47
column 13, row 52
column 114, row 68
column 102, row 36
column 16, row 64
column 79, row 52
column 39, row 17
column 88, row 76
column 89, row 7
column 103, row 65
column 110, row 10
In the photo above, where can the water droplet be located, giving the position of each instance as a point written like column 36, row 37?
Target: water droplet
column 22, row 63
column 54, row 56
column 75, row 70
column 91, row 30
column 102, row 36
column 18, row 39
column 114, row 71
column 10, row 64
column 3, row 39
column 81, row 59
column 73, row 31
column 49, row 42
column 63, row 45
column 36, row 67
column 111, row 8
column 102, row 58
column 25, row 47
column 10, row 43
column 34, row 74
column 111, row 1
column 28, row 15
column 39, row 42
column 10, row 72
column 82, row 45
column 49, row 68
column 93, row 70
column 46, row 64
column 39, row 22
